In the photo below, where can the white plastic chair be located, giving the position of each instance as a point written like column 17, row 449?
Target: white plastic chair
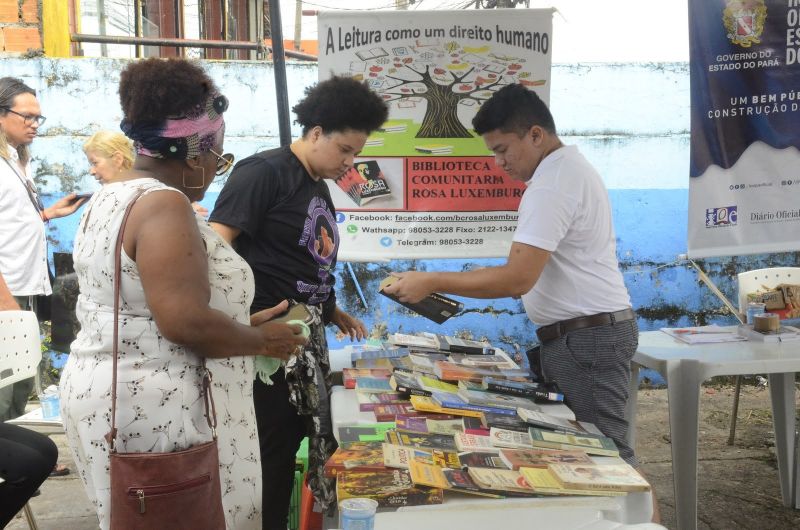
column 751, row 282
column 20, row 355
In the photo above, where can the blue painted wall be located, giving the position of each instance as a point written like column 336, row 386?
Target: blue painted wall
column 630, row 120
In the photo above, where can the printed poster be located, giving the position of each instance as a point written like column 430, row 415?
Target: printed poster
column 744, row 190
column 425, row 186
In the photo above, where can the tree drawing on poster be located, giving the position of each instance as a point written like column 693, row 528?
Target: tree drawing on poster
column 445, row 81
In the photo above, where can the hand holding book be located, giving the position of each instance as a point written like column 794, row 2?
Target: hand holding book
column 428, row 304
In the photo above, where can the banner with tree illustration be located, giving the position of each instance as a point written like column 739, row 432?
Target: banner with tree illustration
column 425, row 185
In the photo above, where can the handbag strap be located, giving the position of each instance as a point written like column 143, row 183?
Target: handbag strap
column 208, row 398
column 35, row 200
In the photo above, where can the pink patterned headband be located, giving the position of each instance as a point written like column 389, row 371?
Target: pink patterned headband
column 181, row 137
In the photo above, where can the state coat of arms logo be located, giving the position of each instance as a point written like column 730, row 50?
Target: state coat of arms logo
column 744, row 21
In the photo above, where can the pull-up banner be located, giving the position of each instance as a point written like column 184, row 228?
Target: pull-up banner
column 744, row 190
column 425, row 186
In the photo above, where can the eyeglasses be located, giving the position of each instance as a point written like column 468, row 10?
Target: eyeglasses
column 224, row 162
column 28, row 118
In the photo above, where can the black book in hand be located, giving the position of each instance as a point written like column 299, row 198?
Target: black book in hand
column 435, row 306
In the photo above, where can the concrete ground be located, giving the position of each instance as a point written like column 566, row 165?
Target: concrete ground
column 738, row 485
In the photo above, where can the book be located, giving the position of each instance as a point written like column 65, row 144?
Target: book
column 517, row 458
column 435, row 385
column 426, row 422
column 472, row 442
column 422, row 341
column 427, row 404
column 434, row 149
column 372, row 53
column 488, row 359
column 503, row 421
column 374, row 385
column 784, row 333
column 529, row 389
column 400, row 456
column 349, row 375
column 474, row 426
column 393, row 127
column 500, row 480
column 381, row 362
column 458, row 345
column 419, row 439
column 391, row 488
column 592, row 444
column 604, row 477
column 406, row 384
column 364, row 433
column 454, row 402
column 389, row 411
column 507, row 438
column 542, row 481
column 364, row 182
column 435, row 306
column 355, row 456
column 448, row 371
column 493, row 399
column 450, row 479
column 482, row 459
column 554, row 423
column 367, row 401
column 382, row 351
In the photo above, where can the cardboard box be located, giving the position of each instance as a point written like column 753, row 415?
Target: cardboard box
column 773, row 299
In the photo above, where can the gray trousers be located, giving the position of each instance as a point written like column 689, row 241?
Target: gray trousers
column 592, row 367
column 13, row 398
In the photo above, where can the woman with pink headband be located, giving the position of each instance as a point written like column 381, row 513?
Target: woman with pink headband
column 185, row 295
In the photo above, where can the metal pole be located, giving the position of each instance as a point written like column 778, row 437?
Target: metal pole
column 298, row 26
column 137, row 25
column 101, row 25
column 279, row 63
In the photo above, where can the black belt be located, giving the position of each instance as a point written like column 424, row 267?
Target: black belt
column 559, row 329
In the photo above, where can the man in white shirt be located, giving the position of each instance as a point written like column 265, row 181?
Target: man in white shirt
column 562, row 263
column 23, row 247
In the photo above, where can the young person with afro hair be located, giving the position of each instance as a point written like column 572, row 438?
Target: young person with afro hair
column 277, row 211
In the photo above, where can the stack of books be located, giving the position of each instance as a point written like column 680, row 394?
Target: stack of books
column 456, row 421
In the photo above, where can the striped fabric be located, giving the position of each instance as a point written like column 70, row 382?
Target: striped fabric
column 592, row 366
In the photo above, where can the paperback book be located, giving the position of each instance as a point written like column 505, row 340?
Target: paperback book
column 492, row 399
column 529, row 389
column 391, row 488
column 390, row 411
column 592, row 444
column 542, row 481
column 453, row 401
column 500, row 480
column 458, row 345
column 503, row 421
column 427, row 404
column 355, row 456
column 471, row 442
column 400, row 456
column 554, row 423
column 517, row 458
column 407, row 384
column 604, row 477
column 436, row 307
column 508, row 438
column 364, row 182
column 418, row 439
column 473, row 426
column 482, row 459
column 449, row 479
column 349, row 375
column 364, row 433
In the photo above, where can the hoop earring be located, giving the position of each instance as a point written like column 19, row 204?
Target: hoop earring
column 202, row 183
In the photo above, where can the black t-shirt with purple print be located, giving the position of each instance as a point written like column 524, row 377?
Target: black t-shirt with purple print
column 288, row 229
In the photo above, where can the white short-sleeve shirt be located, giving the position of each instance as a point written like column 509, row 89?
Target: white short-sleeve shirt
column 23, row 248
column 565, row 210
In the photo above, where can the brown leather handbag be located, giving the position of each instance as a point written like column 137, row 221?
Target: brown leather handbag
column 162, row 491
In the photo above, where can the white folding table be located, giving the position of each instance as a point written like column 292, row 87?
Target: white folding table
column 685, row 367
column 465, row 512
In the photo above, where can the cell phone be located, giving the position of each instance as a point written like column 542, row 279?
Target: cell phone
column 296, row 311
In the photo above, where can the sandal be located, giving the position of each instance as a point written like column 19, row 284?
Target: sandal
column 59, row 471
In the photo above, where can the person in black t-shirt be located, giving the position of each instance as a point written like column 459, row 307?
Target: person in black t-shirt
column 277, row 212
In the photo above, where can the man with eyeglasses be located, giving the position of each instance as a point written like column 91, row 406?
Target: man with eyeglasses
column 23, row 247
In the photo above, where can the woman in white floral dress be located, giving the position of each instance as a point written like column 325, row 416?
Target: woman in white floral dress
column 185, row 295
